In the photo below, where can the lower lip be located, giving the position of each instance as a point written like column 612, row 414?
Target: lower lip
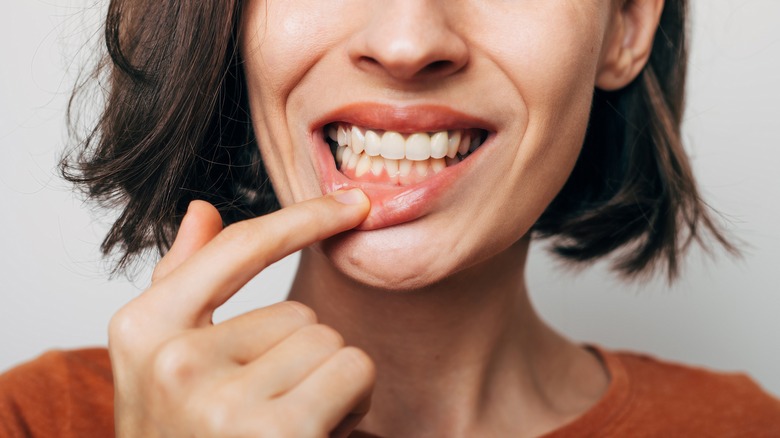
column 390, row 205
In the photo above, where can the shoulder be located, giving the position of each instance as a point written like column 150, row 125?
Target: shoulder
column 668, row 396
column 60, row 393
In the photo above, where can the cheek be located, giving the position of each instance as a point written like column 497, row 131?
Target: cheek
column 550, row 51
column 280, row 42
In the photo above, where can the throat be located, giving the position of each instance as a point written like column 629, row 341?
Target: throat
column 467, row 356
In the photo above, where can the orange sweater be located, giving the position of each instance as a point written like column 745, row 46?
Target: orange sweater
column 70, row 394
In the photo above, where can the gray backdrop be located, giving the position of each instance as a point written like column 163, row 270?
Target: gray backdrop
column 723, row 314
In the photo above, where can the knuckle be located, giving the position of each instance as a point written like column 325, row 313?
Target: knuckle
column 175, row 363
column 358, row 364
column 123, row 328
column 325, row 335
column 218, row 408
column 217, row 417
column 120, row 326
column 299, row 310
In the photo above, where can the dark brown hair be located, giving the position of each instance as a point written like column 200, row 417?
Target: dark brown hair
column 632, row 189
column 176, row 127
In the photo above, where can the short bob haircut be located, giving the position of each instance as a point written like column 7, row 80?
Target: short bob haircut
column 176, row 127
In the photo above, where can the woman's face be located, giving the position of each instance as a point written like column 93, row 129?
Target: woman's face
column 507, row 82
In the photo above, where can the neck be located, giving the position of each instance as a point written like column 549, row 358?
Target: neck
column 475, row 332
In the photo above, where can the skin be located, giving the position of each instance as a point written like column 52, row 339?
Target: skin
column 429, row 319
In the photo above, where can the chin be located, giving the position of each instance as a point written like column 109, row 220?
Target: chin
column 396, row 259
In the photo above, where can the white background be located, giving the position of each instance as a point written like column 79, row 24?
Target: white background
column 724, row 313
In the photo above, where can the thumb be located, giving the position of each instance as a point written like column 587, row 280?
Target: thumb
column 200, row 224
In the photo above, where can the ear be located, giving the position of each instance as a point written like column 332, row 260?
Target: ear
column 628, row 43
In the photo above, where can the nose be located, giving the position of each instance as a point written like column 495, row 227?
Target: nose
column 409, row 40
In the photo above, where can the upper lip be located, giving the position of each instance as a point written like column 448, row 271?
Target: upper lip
column 403, row 119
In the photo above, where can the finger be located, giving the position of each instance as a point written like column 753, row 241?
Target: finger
column 248, row 336
column 338, row 389
column 200, row 224
column 212, row 275
column 289, row 362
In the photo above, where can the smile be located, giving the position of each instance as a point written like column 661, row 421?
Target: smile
column 406, row 159
column 392, row 158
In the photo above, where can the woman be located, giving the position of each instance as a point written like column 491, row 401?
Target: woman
column 416, row 147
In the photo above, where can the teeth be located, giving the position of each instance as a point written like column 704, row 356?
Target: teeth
column 373, row 143
column 377, row 164
column 452, row 144
column 404, row 158
column 341, row 136
column 475, row 142
column 333, row 133
column 439, row 145
column 463, row 147
column 363, row 165
column 391, row 166
column 438, row 164
column 392, row 145
column 418, row 147
column 421, row 167
column 358, row 142
column 404, row 167
column 395, row 146
column 346, row 154
column 353, row 159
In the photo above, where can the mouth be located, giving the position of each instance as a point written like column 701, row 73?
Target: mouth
column 408, row 160
column 398, row 159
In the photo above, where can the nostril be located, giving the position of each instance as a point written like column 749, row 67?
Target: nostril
column 434, row 68
column 369, row 60
column 437, row 66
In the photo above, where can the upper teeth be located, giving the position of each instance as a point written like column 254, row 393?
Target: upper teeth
column 395, row 146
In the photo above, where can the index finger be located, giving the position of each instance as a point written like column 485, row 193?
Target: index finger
column 208, row 278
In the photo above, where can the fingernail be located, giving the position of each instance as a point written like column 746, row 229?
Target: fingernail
column 350, row 197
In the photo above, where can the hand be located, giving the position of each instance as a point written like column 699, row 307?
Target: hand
column 269, row 372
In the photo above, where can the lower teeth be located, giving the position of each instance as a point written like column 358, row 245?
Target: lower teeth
column 401, row 171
